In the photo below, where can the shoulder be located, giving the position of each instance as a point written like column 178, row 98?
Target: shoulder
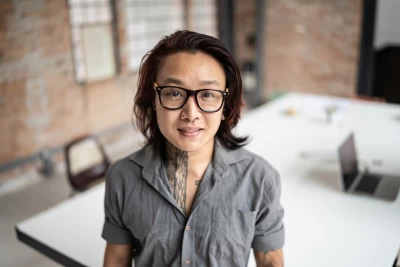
column 257, row 168
column 123, row 170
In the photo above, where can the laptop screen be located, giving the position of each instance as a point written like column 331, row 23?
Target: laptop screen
column 348, row 161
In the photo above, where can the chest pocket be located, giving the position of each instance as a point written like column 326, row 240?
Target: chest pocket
column 232, row 232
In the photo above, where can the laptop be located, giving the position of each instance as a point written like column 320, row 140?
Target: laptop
column 365, row 183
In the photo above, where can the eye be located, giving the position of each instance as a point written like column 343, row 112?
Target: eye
column 175, row 93
column 207, row 94
column 172, row 92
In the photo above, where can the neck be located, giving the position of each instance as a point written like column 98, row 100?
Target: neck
column 185, row 168
column 195, row 162
column 175, row 156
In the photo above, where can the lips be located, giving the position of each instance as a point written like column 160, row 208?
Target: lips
column 190, row 132
column 190, row 129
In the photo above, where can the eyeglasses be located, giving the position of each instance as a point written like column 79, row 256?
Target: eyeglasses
column 208, row 100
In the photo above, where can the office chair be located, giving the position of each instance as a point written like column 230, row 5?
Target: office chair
column 86, row 162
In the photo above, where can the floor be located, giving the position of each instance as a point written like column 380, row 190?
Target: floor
column 23, row 203
column 20, row 205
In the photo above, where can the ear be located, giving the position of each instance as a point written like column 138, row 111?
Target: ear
column 223, row 115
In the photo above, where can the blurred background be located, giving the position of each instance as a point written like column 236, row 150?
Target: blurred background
column 68, row 68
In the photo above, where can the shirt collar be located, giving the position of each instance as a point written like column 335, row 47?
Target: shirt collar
column 151, row 160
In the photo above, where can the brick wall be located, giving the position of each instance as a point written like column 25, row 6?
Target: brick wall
column 41, row 105
column 312, row 46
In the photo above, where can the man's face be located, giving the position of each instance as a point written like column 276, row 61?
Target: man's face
column 189, row 128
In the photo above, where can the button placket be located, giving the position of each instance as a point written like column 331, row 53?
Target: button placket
column 188, row 242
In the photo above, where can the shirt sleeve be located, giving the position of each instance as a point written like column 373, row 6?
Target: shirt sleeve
column 114, row 229
column 269, row 230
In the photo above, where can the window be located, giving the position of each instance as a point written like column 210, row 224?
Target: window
column 147, row 22
column 92, row 31
column 203, row 16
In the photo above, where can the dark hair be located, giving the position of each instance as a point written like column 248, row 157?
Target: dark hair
column 187, row 41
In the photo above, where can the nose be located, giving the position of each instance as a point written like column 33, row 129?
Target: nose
column 190, row 110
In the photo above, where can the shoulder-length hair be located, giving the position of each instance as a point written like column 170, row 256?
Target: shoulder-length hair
column 187, row 41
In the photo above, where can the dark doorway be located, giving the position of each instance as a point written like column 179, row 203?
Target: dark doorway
column 378, row 71
column 251, row 68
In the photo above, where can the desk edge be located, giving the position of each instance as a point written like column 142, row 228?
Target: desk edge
column 45, row 250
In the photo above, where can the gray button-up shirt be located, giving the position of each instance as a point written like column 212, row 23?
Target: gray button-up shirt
column 237, row 207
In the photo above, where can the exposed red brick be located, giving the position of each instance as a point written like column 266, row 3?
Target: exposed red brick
column 36, row 49
column 312, row 46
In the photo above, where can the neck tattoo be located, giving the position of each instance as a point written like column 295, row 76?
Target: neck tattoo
column 177, row 171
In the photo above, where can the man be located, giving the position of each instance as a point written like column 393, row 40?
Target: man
column 192, row 196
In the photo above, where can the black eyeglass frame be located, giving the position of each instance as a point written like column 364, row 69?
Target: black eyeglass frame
column 191, row 93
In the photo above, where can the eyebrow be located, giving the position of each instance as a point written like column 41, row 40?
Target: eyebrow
column 209, row 82
column 173, row 80
column 180, row 82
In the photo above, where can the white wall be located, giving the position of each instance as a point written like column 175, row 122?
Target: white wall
column 387, row 24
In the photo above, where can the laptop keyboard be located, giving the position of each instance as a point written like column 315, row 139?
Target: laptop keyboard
column 368, row 184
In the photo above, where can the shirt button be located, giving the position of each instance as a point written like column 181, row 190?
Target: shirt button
column 187, row 228
column 188, row 262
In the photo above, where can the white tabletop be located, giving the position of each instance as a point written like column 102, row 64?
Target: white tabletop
column 72, row 228
column 324, row 226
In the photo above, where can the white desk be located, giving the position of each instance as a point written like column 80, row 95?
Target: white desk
column 325, row 227
column 69, row 233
